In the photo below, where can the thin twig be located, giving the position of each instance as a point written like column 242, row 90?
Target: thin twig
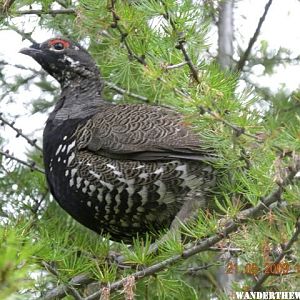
column 141, row 59
column 61, row 291
column 49, row 268
column 238, row 130
column 181, row 44
column 55, row 272
column 46, row 12
column 34, row 209
column 115, row 24
column 24, row 35
column 170, row 67
column 62, row 3
column 32, row 165
column 193, row 270
column 263, row 277
column 240, row 65
column 2, row 62
column 225, row 249
column 75, row 293
column 19, row 132
column 36, row 72
column 125, row 92
column 6, row 6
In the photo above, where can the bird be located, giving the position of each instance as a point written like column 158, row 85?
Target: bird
column 119, row 169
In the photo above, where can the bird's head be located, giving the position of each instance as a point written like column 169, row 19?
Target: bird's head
column 63, row 59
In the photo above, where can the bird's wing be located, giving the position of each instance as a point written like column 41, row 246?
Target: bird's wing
column 141, row 132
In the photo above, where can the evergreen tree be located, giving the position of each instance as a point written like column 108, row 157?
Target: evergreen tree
column 155, row 52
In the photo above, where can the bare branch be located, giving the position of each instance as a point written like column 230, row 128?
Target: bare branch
column 170, row 67
column 24, row 35
column 53, row 12
column 60, row 291
column 36, row 72
column 32, row 165
column 194, row 270
column 19, row 132
column 245, row 57
column 181, row 44
column 225, row 249
column 124, row 92
column 263, row 277
column 6, row 6
column 188, row 60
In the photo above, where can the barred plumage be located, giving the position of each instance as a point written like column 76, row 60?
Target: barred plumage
column 117, row 169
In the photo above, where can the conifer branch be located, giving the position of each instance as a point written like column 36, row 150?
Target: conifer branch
column 237, row 129
column 241, row 63
column 61, row 291
column 141, row 59
column 285, row 248
column 19, row 132
column 181, row 44
column 199, row 246
column 55, row 272
column 123, row 34
column 32, row 165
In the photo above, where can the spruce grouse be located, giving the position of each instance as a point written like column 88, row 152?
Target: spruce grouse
column 116, row 168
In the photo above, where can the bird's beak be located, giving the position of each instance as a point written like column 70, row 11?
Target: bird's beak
column 32, row 51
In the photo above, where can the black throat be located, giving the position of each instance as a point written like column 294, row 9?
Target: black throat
column 79, row 99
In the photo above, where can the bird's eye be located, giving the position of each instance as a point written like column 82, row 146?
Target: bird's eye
column 58, row 46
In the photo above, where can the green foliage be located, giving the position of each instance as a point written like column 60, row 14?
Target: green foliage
column 166, row 286
column 139, row 252
column 205, row 225
column 16, row 265
column 21, row 191
column 135, row 51
column 73, row 248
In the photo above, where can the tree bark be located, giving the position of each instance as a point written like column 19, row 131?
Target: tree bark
column 225, row 33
